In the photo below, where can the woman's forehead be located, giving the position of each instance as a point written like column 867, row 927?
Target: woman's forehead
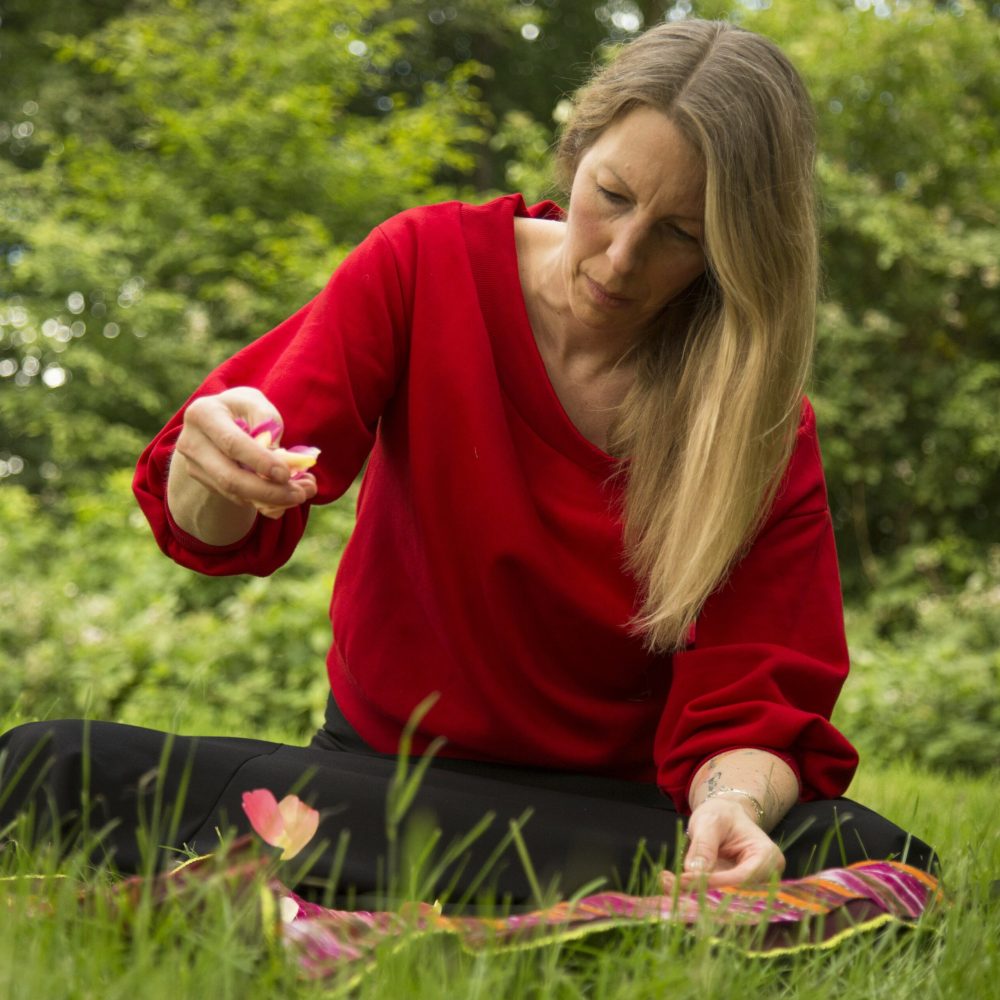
column 646, row 152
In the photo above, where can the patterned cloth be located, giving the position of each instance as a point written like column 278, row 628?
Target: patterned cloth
column 819, row 911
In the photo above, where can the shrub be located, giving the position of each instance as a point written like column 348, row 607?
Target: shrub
column 929, row 691
column 101, row 623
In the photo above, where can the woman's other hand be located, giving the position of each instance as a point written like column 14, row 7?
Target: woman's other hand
column 735, row 798
column 726, row 847
column 220, row 477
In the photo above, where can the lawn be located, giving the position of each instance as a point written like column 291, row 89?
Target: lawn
column 213, row 946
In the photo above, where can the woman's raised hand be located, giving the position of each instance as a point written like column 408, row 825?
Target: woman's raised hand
column 221, row 476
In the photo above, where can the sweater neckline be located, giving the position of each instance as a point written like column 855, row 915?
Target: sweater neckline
column 505, row 312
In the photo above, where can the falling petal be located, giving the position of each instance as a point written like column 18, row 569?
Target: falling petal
column 289, row 824
column 300, row 825
column 265, row 816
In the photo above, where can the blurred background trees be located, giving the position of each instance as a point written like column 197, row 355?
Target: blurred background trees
column 176, row 176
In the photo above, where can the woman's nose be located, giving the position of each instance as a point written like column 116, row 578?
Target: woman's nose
column 625, row 250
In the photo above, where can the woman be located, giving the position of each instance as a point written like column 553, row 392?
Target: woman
column 593, row 523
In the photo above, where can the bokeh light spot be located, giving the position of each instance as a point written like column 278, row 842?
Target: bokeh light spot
column 54, row 376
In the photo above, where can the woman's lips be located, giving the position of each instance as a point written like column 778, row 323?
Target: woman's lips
column 603, row 296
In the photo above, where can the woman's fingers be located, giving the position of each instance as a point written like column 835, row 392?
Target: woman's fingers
column 708, row 829
column 212, row 421
column 221, row 456
column 702, row 855
column 208, row 463
column 727, row 848
column 243, row 486
column 304, row 482
column 754, row 868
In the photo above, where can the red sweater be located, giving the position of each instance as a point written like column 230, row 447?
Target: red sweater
column 486, row 563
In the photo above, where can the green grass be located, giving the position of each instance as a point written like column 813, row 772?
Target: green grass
column 210, row 942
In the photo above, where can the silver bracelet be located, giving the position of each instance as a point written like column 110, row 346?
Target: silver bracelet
column 754, row 801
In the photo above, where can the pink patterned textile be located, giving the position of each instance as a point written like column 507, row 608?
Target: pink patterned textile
column 818, row 911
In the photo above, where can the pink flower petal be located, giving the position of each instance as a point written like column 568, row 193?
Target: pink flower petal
column 299, row 458
column 300, row 822
column 269, row 510
column 265, row 817
column 266, row 432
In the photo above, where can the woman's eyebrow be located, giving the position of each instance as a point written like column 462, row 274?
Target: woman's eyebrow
column 628, row 190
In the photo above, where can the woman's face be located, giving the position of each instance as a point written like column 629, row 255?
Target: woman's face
column 635, row 231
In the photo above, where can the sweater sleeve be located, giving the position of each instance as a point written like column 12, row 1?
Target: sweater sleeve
column 769, row 655
column 330, row 370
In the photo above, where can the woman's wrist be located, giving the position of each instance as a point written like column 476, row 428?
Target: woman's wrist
column 762, row 784
column 759, row 814
column 209, row 517
column 728, row 808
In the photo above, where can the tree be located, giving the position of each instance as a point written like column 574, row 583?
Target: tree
column 908, row 369
column 194, row 170
column 214, row 163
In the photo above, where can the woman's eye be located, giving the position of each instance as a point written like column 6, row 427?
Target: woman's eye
column 677, row 233
column 611, row 196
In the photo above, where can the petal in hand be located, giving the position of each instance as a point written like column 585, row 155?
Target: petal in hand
column 298, row 458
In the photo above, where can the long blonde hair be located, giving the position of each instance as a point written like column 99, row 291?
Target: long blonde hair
column 709, row 423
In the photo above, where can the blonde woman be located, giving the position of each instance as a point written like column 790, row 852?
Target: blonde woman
column 593, row 523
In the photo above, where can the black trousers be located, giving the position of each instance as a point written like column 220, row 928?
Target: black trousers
column 148, row 792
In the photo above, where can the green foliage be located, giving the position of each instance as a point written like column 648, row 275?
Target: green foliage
column 212, row 166
column 931, row 694
column 525, row 146
column 907, row 371
column 129, row 635
column 177, row 177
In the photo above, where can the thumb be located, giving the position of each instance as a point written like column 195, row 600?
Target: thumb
column 701, row 855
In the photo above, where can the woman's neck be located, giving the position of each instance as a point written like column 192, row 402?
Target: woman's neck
column 561, row 339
